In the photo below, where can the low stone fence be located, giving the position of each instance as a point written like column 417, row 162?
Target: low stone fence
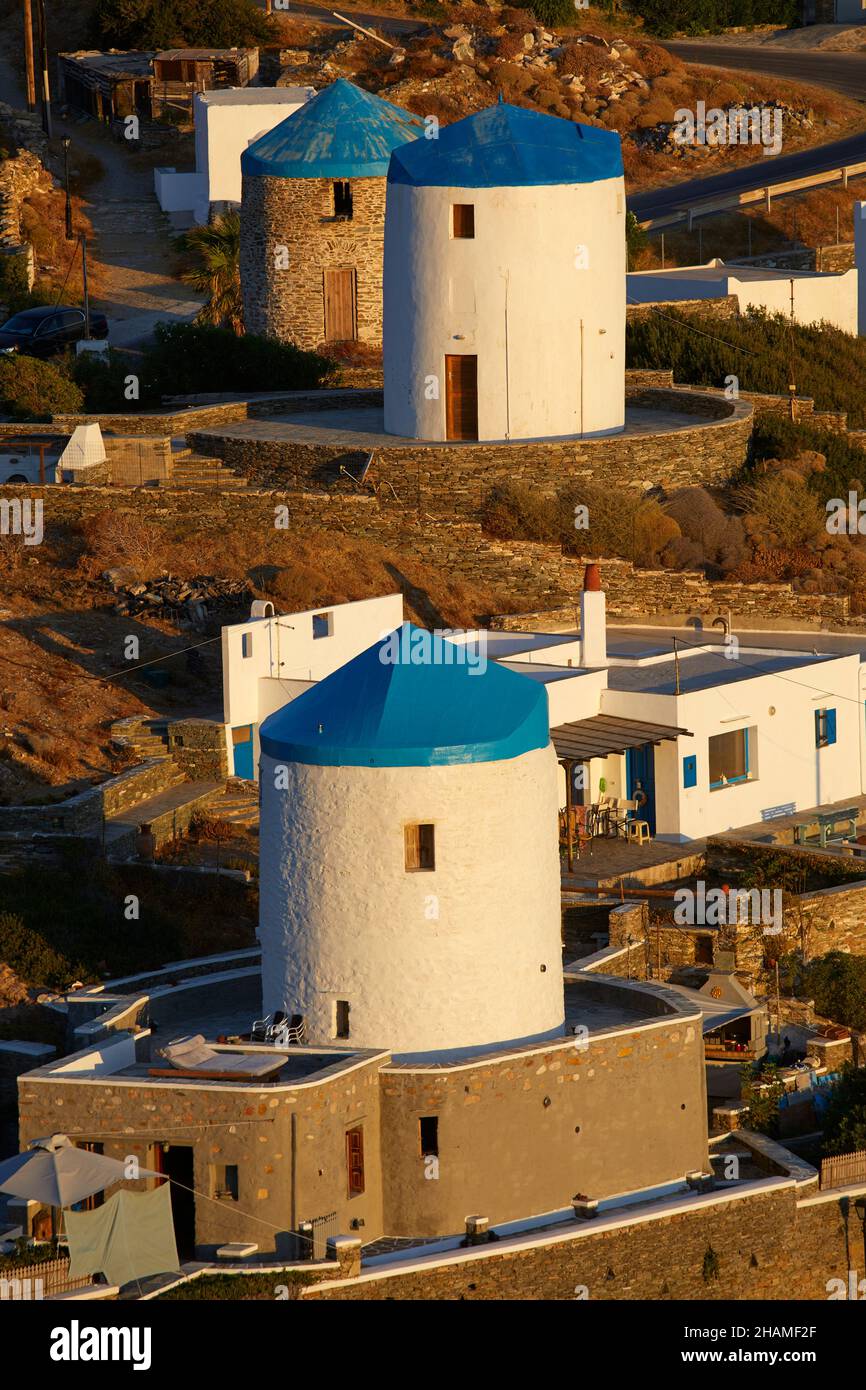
column 83, row 815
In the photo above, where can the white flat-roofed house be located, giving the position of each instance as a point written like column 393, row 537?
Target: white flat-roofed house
column 724, row 734
column 807, row 296
column 226, row 122
column 270, row 659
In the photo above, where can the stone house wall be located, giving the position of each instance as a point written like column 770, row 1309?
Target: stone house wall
column 297, row 214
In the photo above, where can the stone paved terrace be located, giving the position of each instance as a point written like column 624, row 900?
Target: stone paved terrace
column 780, row 830
column 363, row 428
column 613, row 862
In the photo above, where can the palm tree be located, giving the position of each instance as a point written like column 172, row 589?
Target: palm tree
column 212, row 255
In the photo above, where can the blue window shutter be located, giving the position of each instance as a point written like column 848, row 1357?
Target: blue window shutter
column 690, row 771
column 818, row 713
column 830, row 726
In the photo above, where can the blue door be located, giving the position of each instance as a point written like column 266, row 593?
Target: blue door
column 641, row 778
column 242, row 739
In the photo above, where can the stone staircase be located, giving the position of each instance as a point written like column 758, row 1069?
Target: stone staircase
column 191, row 469
column 147, row 738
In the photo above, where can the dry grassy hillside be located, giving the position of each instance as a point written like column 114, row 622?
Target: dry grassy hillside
column 60, row 637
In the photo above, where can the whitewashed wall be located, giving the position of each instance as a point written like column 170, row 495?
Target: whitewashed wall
column 431, row 961
column 789, row 766
column 549, row 332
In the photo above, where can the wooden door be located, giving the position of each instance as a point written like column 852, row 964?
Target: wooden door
column 461, row 397
column 341, row 310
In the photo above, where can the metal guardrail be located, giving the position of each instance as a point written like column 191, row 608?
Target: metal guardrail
column 721, row 202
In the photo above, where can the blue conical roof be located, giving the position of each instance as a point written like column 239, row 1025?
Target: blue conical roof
column 507, row 146
column 342, row 132
column 406, row 702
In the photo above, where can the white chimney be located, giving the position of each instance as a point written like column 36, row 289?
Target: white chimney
column 593, row 619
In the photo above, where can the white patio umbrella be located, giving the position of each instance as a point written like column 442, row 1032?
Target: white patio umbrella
column 53, row 1171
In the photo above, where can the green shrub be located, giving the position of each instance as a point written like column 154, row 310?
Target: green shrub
column 172, row 23
column 776, row 437
column 35, row 390
column 837, row 983
column 192, row 358
column 761, row 350
column 553, row 12
column 845, row 1117
column 30, row 956
column 103, row 380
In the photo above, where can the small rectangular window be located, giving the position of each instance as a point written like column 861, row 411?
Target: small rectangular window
column 420, row 847
column 825, row 727
column 731, row 757
column 428, row 1126
column 703, row 950
column 341, row 1018
column 463, row 220
column 355, row 1160
column 225, row 1181
column 322, row 624
column 343, row 199
column 247, row 644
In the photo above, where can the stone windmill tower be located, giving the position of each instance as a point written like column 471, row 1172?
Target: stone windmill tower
column 409, row 855
column 313, row 217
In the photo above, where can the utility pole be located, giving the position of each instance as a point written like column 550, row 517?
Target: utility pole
column 86, row 294
column 43, row 65
column 28, row 55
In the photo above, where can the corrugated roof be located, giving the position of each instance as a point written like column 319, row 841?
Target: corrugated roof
column 412, row 700
column 342, row 133
column 505, row 146
column 603, row 734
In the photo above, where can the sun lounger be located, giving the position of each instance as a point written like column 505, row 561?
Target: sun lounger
column 191, row 1056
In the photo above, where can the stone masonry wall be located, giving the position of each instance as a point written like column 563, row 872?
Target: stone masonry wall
column 540, row 580
column 454, row 481
column 298, row 214
column 768, row 1245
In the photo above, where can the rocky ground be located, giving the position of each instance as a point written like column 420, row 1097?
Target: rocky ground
column 626, row 83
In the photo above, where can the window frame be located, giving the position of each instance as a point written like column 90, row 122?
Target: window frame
column 416, row 851
column 739, row 778
column 825, row 727
column 466, row 218
column 430, row 1150
column 346, row 197
column 355, row 1185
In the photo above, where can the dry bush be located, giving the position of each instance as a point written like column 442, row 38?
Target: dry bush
column 656, row 111
column 710, row 537
column 121, row 538
column 510, row 46
column 782, row 514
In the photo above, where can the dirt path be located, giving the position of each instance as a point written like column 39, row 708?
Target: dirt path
column 131, row 253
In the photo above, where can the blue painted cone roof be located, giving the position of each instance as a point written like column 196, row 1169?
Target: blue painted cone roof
column 377, row 711
column 508, row 146
column 342, row 132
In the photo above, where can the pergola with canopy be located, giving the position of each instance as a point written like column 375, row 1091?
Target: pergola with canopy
column 598, row 737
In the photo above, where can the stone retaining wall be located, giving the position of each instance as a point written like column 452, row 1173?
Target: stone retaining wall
column 83, row 815
column 772, row 1242
column 453, row 481
column 543, row 582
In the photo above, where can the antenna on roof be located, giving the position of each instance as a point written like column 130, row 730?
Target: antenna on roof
column 501, row 98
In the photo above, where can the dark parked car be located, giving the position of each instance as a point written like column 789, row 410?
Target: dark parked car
column 43, row 332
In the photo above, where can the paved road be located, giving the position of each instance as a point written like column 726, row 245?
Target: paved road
column 841, row 72
column 770, row 169
column 385, row 23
